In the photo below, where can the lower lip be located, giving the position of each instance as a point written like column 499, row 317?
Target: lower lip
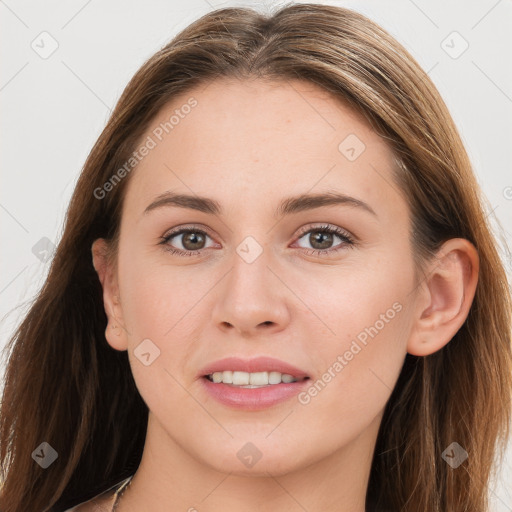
column 253, row 399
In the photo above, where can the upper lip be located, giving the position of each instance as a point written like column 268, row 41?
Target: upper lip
column 258, row 364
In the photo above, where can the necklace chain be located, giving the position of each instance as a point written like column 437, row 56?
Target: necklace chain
column 118, row 496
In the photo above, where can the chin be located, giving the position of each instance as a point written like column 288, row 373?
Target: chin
column 246, row 458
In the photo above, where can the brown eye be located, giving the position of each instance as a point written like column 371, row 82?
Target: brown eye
column 185, row 241
column 322, row 238
column 192, row 240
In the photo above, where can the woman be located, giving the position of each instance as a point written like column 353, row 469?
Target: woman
column 276, row 289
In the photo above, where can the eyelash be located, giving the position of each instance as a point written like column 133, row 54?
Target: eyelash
column 348, row 241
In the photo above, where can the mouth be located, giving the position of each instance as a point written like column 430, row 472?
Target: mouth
column 253, row 384
column 252, row 380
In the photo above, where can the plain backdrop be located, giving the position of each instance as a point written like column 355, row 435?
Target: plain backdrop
column 65, row 64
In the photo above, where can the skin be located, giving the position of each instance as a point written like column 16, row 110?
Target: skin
column 248, row 145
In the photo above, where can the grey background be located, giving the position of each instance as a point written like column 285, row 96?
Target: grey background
column 54, row 108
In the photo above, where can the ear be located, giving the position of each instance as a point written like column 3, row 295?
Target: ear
column 115, row 333
column 444, row 297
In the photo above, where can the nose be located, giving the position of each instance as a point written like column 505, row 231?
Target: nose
column 252, row 299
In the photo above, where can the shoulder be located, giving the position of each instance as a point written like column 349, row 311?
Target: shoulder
column 102, row 502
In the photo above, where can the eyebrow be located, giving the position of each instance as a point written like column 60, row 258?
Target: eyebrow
column 287, row 206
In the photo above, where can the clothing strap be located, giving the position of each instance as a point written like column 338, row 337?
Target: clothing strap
column 119, row 492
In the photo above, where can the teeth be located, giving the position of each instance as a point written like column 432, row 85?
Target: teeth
column 274, row 378
column 251, row 380
column 258, row 379
column 287, row 378
column 239, row 378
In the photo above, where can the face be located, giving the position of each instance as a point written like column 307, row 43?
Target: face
column 321, row 287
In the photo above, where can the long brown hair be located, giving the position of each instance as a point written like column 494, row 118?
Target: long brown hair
column 64, row 385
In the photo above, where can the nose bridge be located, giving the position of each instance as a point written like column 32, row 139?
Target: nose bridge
column 250, row 268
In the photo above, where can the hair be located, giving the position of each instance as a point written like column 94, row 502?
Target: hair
column 66, row 386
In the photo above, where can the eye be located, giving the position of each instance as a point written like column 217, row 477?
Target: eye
column 191, row 240
column 322, row 237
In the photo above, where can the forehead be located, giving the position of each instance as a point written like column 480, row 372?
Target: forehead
column 260, row 140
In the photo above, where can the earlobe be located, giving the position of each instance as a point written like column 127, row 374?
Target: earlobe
column 115, row 332
column 444, row 297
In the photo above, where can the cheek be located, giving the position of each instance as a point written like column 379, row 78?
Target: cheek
column 356, row 375
column 158, row 305
column 166, row 305
column 358, row 301
column 155, row 295
column 360, row 357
